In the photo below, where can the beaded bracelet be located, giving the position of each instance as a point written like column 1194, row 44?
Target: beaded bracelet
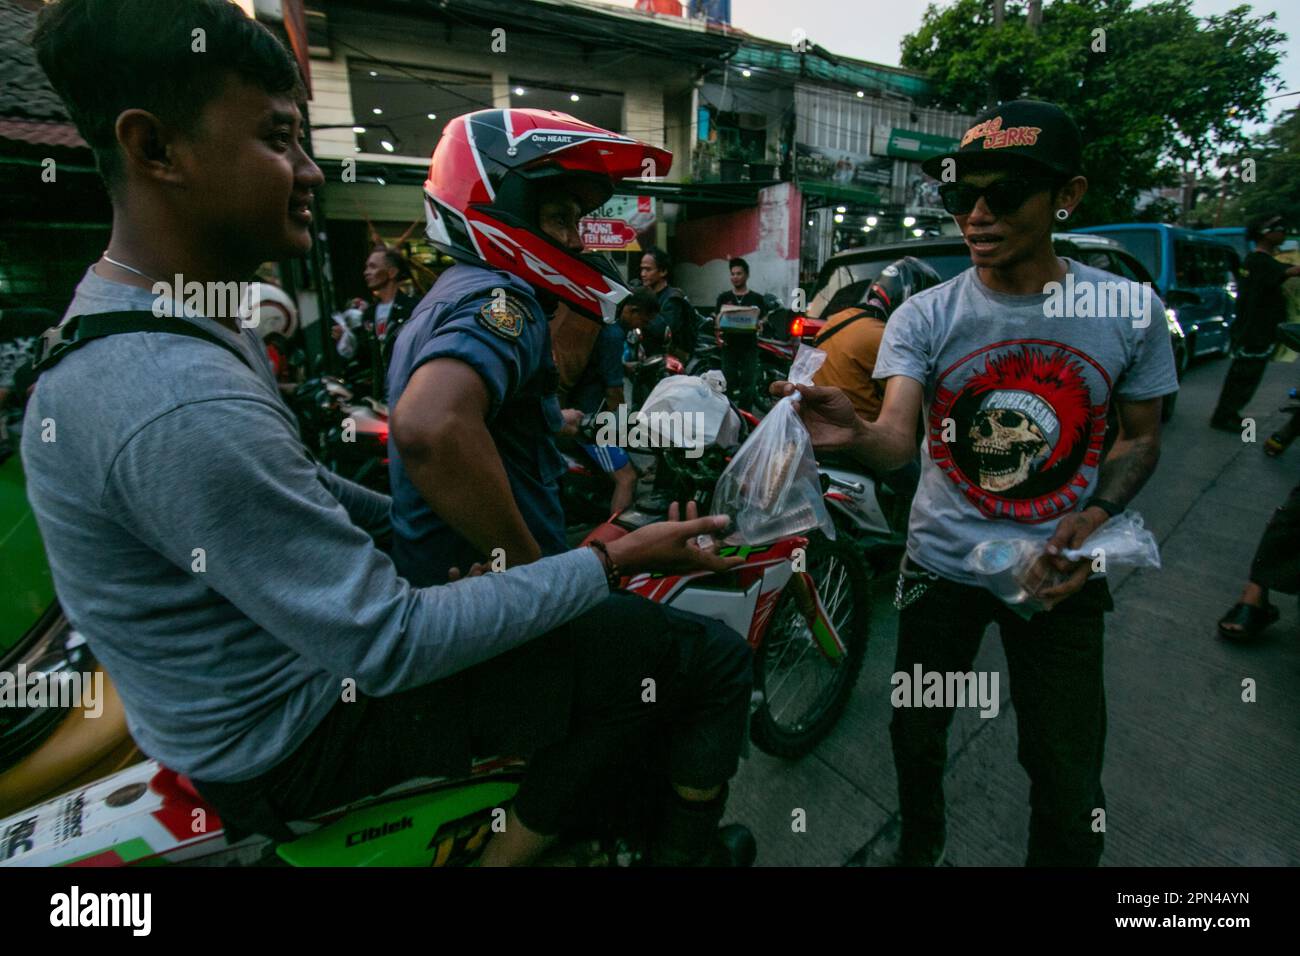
column 613, row 574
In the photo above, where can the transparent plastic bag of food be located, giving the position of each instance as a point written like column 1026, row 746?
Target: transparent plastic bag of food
column 771, row 488
column 1015, row 571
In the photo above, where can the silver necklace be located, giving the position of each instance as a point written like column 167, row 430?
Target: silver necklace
column 122, row 265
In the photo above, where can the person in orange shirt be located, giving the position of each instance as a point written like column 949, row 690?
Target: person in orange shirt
column 851, row 337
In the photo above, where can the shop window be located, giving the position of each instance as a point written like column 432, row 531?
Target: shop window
column 596, row 107
column 415, row 104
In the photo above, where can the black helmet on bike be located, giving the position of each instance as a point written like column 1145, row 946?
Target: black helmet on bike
column 896, row 283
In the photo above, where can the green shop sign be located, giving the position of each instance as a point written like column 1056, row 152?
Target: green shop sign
column 909, row 144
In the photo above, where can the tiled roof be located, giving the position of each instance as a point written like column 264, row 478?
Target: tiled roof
column 41, row 132
column 25, row 93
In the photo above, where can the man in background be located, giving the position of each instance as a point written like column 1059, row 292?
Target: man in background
column 739, row 344
column 388, row 310
column 1261, row 307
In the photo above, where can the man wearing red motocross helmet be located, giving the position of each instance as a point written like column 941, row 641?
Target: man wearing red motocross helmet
column 474, row 466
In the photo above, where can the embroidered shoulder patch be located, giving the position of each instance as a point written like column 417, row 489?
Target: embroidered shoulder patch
column 505, row 315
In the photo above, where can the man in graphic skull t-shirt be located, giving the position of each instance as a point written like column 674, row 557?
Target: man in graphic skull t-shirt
column 1015, row 404
column 1011, row 368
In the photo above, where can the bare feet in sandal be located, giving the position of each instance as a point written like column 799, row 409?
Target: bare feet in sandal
column 1249, row 616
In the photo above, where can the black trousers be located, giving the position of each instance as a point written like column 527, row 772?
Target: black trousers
column 571, row 702
column 1055, row 664
column 740, row 366
column 1239, row 385
column 1277, row 559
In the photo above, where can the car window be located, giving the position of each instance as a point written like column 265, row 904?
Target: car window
column 846, row 285
column 1189, row 268
column 1144, row 245
column 1097, row 258
column 1220, row 265
column 1129, row 267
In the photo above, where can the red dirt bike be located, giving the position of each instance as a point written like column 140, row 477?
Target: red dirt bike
column 802, row 603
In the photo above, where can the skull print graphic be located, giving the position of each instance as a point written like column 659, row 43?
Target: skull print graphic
column 1019, row 427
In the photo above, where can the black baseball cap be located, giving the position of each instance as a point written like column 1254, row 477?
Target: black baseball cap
column 1029, row 133
column 1264, row 225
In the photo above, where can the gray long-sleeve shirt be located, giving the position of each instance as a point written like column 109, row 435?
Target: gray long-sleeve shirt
column 221, row 577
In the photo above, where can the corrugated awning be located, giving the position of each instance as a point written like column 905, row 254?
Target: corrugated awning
column 41, row 133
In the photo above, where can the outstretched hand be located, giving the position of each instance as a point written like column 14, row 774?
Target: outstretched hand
column 672, row 545
column 827, row 413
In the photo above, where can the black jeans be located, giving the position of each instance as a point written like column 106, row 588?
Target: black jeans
column 1277, row 559
column 740, row 366
column 571, row 702
column 1239, row 385
column 1055, row 664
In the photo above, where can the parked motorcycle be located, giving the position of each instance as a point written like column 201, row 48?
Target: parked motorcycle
column 348, row 436
column 801, row 602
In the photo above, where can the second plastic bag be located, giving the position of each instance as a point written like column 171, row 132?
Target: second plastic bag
column 1013, row 570
column 771, row 488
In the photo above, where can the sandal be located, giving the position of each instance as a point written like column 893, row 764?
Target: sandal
column 1274, row 446
column 1250, row 619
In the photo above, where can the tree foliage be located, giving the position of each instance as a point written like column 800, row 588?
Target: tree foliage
column 1155, row 89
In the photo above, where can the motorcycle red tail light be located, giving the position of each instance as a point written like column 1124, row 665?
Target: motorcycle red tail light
column 796, row 327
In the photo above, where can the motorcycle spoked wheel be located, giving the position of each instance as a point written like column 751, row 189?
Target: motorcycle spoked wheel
column 768, row 374
column 790, row 723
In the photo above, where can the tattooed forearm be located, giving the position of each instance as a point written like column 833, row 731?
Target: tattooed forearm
column 1127, row 468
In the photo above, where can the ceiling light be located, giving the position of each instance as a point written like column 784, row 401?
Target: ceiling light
column 574, row 97
column 839, row 217
column 381, row 180
column 918, row 233
column 746, row 73
column 909, row 222
column 519, row 91
column 388, row 147
column 861, row 94
column 432, row 115
column 840, row 209
column 373, row 73
column 872, row 220
column 866, row 228
column 358, row 129
column 377, row 111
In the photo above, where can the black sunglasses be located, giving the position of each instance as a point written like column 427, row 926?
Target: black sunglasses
column 1003, row 197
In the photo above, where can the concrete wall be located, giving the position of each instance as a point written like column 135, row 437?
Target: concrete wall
column 766, row 236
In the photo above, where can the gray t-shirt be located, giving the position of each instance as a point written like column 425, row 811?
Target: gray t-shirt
column 1016, row 395
column 223, row 578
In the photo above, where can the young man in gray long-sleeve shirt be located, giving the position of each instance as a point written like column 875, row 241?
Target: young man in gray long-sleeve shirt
column 222, row 577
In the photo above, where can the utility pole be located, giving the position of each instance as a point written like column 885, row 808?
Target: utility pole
column 999, row 17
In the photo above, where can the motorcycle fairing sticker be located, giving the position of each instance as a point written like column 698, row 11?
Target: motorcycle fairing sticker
column 1027, row 419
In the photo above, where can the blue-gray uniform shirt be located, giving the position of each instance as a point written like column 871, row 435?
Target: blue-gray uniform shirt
column 492, row 322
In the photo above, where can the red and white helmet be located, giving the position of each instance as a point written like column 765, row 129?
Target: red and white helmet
column 487, row 174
